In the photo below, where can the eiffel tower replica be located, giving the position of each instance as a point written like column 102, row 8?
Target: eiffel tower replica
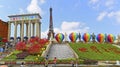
column 51, row 30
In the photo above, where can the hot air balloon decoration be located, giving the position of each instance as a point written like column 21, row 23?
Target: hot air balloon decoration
column 110, row 38
column 59, row 37
column 86, row 37
column 100, row 37
column 73, row 37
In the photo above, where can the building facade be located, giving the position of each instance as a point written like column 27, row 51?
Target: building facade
column 3, row 29
column 29, row 23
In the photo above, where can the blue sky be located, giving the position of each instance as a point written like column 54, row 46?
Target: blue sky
column 98, row 16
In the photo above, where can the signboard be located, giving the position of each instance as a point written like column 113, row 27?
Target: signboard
column 24, row 18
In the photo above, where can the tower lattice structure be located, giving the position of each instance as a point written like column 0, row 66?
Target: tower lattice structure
column 51, row 30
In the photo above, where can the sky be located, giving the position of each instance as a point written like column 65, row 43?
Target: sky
column 92, row 16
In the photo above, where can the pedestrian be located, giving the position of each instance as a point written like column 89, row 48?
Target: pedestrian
column 72, row 62
column 55, row 61
column 46, row 63
column 22, row 64
column 46, row 57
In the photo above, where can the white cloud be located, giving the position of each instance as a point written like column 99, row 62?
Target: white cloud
column 42, row 1
column 73, row 27
column 93, row 1
column 101, row 4
column 111, row 15
column 115, row 15
column 44, row 34
column 109, row 2
column 101, row 16
column 21, row 11
column 68, row 27
column 34, row 7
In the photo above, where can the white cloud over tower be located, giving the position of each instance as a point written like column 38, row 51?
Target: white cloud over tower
column 68, row 27
column 34, row 6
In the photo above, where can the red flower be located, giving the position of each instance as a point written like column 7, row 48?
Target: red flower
column 4, row 40
column 106, row 50
column 34, row 49
column 21, row 46
column 114, row 50
column 83, row 49
column 94, row 48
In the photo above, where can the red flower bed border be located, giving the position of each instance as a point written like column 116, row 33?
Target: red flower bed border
column 83, row 49
column 95, row 49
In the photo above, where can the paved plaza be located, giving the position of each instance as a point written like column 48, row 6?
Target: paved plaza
column 61, row 51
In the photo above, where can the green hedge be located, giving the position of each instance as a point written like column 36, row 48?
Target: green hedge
column 10, row 58
column 34, row 58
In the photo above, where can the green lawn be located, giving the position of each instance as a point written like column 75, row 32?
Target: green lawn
column 95, row 51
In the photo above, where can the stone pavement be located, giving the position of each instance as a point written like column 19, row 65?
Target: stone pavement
column 61, row 51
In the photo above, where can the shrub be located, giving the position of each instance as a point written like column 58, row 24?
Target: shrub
column 34, row 49
column 22, row 55
column 88, row 61
column 21, row 46
column 16, row 52
column 11, row 58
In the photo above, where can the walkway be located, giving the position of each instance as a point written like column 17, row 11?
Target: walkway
column 65, row 65
column 116, row 45
column 60, row 51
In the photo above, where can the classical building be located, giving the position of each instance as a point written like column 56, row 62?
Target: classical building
column 28, row 22
column 3, row 29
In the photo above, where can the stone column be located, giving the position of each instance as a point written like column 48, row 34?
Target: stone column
column 9, row 30
column 29, row 29
column 33, row 29
column 15, row 31
column 22, row 31
column 37, row 29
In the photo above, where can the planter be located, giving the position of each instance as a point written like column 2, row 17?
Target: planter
column 12, row 62
column 2, row 62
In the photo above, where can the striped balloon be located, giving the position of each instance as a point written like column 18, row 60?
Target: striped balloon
column 86, row 37
column 111, row 38
column 73, row 36
column 100, row 37
column 59, row 37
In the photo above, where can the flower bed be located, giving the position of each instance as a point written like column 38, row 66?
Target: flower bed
column 30, row 51
column 96, row 51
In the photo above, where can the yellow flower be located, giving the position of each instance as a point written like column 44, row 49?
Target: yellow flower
column 38, row 55
column 36, row 58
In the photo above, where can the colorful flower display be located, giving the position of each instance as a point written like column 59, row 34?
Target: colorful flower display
column 83, row 49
